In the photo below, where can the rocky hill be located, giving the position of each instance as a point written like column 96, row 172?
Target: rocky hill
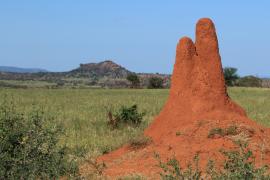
column 103, row 74
column 103, row 69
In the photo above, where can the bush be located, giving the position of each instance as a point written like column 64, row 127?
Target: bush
column 249, row 81
column 29, row 147
column 134, row 80
column 126, row 115
column 155, row 83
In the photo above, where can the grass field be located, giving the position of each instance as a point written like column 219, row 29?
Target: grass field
column 83, row 112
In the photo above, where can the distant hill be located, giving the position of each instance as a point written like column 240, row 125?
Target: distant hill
column 103, row 74
column 20, row 70
column 103, row 69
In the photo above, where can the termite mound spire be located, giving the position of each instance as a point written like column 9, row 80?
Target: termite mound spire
column 198, row 86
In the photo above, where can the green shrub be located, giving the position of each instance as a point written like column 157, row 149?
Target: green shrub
column 134, row 80
column 155, row 83
column 240, row 164
column 171, row 169
column 29, row 147
column 126, row 115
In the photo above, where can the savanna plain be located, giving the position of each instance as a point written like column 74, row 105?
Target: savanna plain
column 83, row 113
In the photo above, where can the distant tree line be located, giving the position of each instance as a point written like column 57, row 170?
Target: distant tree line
column 153, row 82
column 230, row 75
column 131, row 80
column 233, row 79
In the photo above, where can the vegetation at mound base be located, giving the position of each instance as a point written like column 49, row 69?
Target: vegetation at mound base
column 83, row 112
column 237, row 164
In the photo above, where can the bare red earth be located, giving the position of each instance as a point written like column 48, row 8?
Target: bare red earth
column 198, row 102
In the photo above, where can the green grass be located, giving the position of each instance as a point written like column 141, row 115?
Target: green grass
column 256, row 102
column 84, row 111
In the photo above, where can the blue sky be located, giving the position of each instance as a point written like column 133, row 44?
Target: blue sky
column 141, row 35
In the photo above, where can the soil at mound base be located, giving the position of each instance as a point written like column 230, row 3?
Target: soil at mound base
column 198, row 102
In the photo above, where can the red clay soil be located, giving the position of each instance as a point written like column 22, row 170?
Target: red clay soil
column 198, row 102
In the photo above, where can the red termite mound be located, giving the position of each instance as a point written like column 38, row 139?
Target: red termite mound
column 198, row 102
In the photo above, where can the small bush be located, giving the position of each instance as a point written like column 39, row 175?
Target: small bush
column 29, row 147
column 155, row 83
column 126, row 115
column 134, row 80
column 240, row 164
column 171, row 169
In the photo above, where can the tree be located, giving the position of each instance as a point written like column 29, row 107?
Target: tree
column 230, row 75
column 134, row 80
column 155, row 83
